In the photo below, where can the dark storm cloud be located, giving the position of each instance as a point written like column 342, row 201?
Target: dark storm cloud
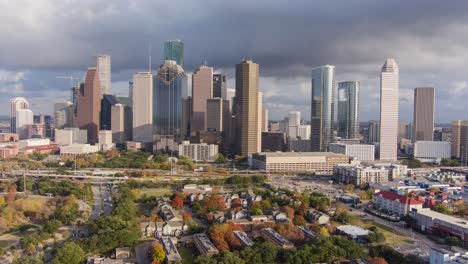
column 45, row 38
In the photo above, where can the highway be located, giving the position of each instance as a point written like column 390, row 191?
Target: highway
column 44, row 175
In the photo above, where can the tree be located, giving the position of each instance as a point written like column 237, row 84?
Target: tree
column 324, row 232
column 28, row 260
column 342, row 216
column 11, row 194
column 219, row 158
column 349, row 187
column 69, row 253
column 177, row 202
column 52, row 226
column 288, row 211
column 441, row 208
column 196, row 207
column 2, row 200
column 186, row 216
column 299, row 220
column 453, row 241
column 158, row 253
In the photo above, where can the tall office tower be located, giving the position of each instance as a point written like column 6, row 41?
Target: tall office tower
column 293, row 122
column 373, row 132
column 218, row 114
column 107, row 102
column 202, row 90
column 230, row 95
column 23, row 118
column 142, row 107
column 63, row 114
column 130, row 93
column 402, row 129
column 16, row 104
column 456, row 130
column 303, row 132
column 219, row 86
column 121, row 113
column 246, row 107
column 103, row 65
column 323, row 107
column 174, row 51
column 46, row 122
column 260, row 118
column 264, row 120
column 89, row 105
column 464, row 142
column 423, row 121
column 389, row 110
column 76, row 91
column 169, row 82
column 186, row 116
column 348, row 109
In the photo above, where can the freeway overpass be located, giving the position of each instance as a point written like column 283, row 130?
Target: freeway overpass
column 45, row 175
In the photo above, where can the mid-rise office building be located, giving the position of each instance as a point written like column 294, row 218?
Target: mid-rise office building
column 299, row 145
column 359, row 151
column 103, row 65
column 423, row 121
column 23, row 118
column 202, row 90
column 105, row 140
column 169, row 84
column 389, row 105
column 264, row 127
column 89, row 105
column 357, row 175
column 78, row 149
column 63, row 114
column 274, row 141
column 431, row 151
column 70, row 135
column 142, row 107
column 107, row 102
column 16, row 104
column 121, row 125
column 373, row 132
column 174, row 51
column 323, row 107
column 348, row 109
column 218, row 114
column 303, row 132
column 246, row 107
column 464, row 142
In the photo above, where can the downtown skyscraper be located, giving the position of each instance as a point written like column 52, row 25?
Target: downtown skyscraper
column 16, row 104
column 389, row 105
column 348, row 109
column 103, row 65
column 246, row 107
column 323, row 107
column 89, row 105
column 142, row 97
column 202, row 90
column 423, row 121
column 174, row 50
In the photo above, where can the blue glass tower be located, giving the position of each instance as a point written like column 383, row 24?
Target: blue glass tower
column 174, row 50
column 348, row 109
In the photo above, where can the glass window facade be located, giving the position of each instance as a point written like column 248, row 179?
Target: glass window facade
column 348, row 109
column 174, row 50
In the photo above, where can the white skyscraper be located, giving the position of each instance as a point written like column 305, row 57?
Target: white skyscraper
column 24, row 117
column 294, row 122
column 389, row 110
column 103, row 65
column 143, row 107
column 16, row 104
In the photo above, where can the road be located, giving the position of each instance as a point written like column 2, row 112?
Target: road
column 98, row 203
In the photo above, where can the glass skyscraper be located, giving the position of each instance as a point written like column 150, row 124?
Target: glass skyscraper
column 174, row 50
column 169, row 83
column 322, row 108
column 348, row 109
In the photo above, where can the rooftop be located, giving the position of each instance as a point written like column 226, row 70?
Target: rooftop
column 401, row 198
column 443, row 217
column 353, row 230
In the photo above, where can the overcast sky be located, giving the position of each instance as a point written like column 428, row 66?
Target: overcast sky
column 43, row 39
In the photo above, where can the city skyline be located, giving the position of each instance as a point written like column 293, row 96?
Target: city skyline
column 282, row 72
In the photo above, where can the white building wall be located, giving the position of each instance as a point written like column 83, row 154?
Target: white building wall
column 143, row 107
column 431, row 150
column 24, row 117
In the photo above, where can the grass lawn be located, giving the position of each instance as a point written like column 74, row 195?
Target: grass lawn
column 188, row 254
column 156, row 191
column 390, row 237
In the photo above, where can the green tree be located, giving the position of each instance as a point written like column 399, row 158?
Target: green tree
column 442, row 209
column 28, row 260
column 69, row 253
column 52, row 226
column 158, row 253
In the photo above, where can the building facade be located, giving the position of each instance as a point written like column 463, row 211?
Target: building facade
column 16, row 104
column 174, row 50
column 23, row 119
column 142, row 123
column 389, row 105
column 423, row 120
column 198, row 152
column 70, row 135
column 103, row 65
column 359, row 151
column 246, row 107
column 169, row 84
column 456, row 131
column 220, row 86
column 348, row 109
column 63, row 114
column 373, row 132
column 357, row 175
column 431, row 151
column 323, row 107
column 202, row 90
column 395, row 204
column 89, row 105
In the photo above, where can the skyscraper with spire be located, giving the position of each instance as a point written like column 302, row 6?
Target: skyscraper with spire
column 389, row 105
column 174, row 50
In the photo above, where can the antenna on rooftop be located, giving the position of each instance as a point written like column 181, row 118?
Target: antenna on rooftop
column 149, row 53
column 205, row 62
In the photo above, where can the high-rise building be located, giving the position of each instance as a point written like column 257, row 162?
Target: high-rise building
column 16, row 104
column 373, row 132
column 246, row 107
column 103, row 65
column 186, row 115
column 23, row 118
column 456, row 131
column 389, row 110
column 169, row 84
column 63, row 114
column 264, row 120
column 121, row 123
column 423, row 121
column 260, row 118
column 89, row 105
column 218, row 114
column 230, row 94
column 202, row 90
column 174, row 50
column 464, row 142
column 142, row 107
column 402, row 129
column 303, row 132
column 105, row 140
column 107, row 101
column 323, row 107
column 219, row 86
column 348, row 109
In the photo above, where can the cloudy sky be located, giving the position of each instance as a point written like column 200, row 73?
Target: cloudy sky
column 43, row 39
